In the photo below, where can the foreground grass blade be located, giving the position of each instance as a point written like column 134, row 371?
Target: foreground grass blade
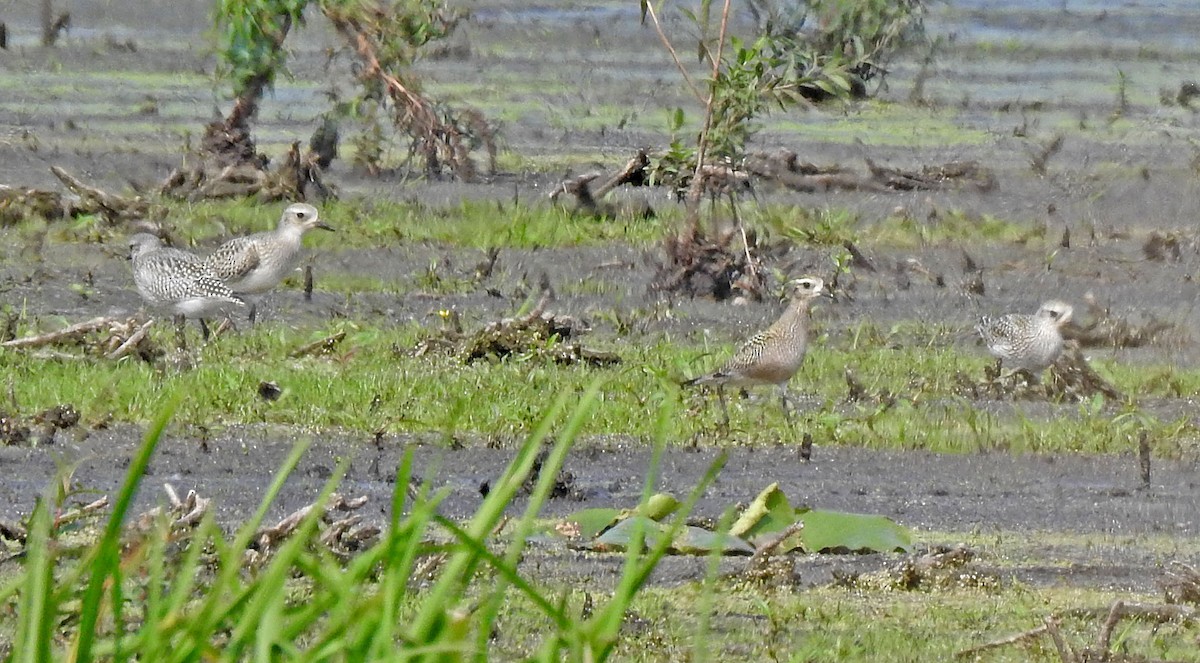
column 37, row 609
column 461, row 567
column 108, row 550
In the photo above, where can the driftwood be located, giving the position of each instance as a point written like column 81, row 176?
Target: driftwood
column 297, row 177
column 74, row 332
column 112, row 208
column 111, row 338
column 587, row 199
column 948, row 175
column 321, row 346
column 340, row 536
column 18, row 204
column 785, row 168
column 183, row 513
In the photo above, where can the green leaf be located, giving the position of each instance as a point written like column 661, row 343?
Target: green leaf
column 770, row 512
column 699, row 541
column 837, row 532
column 622, row 534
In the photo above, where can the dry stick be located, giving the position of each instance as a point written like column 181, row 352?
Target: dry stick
column 696, row 190
column 76, row 514
column 638, row 162
column 1144, row 457
column 769, row 547
column 131, row 342
column 1104, row 637
column 1065, row 653
column 73, row 331
column 1010, row 640
column 108, row 201
column 323, row 345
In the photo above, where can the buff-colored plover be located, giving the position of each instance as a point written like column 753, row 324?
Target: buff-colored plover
column 773, row 356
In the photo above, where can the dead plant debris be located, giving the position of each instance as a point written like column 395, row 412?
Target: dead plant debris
column 1105, row 329
column 589, row 201
column 720, row 261
column 103, row 337
column 1181, row 584
column 1069, row 379
column 940, row 567
column 1101, row 650
column 538, row 333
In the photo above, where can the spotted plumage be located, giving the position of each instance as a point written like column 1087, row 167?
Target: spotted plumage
column 255, row 264
column 1029, row 342
column 177, row 280
column 772, row 356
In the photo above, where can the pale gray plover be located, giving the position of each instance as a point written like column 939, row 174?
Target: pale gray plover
column 253, row 265
column 178, row 281
column 1029, row 342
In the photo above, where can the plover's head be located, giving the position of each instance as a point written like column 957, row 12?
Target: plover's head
column 807, row 289
column 302, row 216
column 1058, row 313
column 143, row 243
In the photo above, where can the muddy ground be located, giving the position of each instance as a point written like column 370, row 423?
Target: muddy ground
column 1007, row 81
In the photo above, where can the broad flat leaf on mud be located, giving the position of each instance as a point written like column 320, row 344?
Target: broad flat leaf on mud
column 590, row 523
column 770, row 512
column 699, row 541
column 619, row 536
column 690, row 541
column 837, row 532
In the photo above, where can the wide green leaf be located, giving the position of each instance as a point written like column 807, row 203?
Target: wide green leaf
column 837, row 532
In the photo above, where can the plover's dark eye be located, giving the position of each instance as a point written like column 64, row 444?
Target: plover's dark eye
column 300, row 215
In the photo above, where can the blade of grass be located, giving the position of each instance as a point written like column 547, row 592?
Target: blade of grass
column 541, row 492
column 37, row 609
column 108, row 549
column 218, row 602
column 461, row 567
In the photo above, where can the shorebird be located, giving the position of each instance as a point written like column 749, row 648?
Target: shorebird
column 773, row 356
column 255, row 264
column 1029, row 342
column 178, row 281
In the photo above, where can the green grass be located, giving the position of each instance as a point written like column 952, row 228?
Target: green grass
column 189, row 594
column 834, row 226
column 471, row 224
column 371, row 381
column 193, row 593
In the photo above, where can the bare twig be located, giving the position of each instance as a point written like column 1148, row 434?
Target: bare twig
column 76, row 514
column 1001, row 642
column 1065, row 652
column 322, row 346
column 768, row 547
column 132, row 342
column 74, row 331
